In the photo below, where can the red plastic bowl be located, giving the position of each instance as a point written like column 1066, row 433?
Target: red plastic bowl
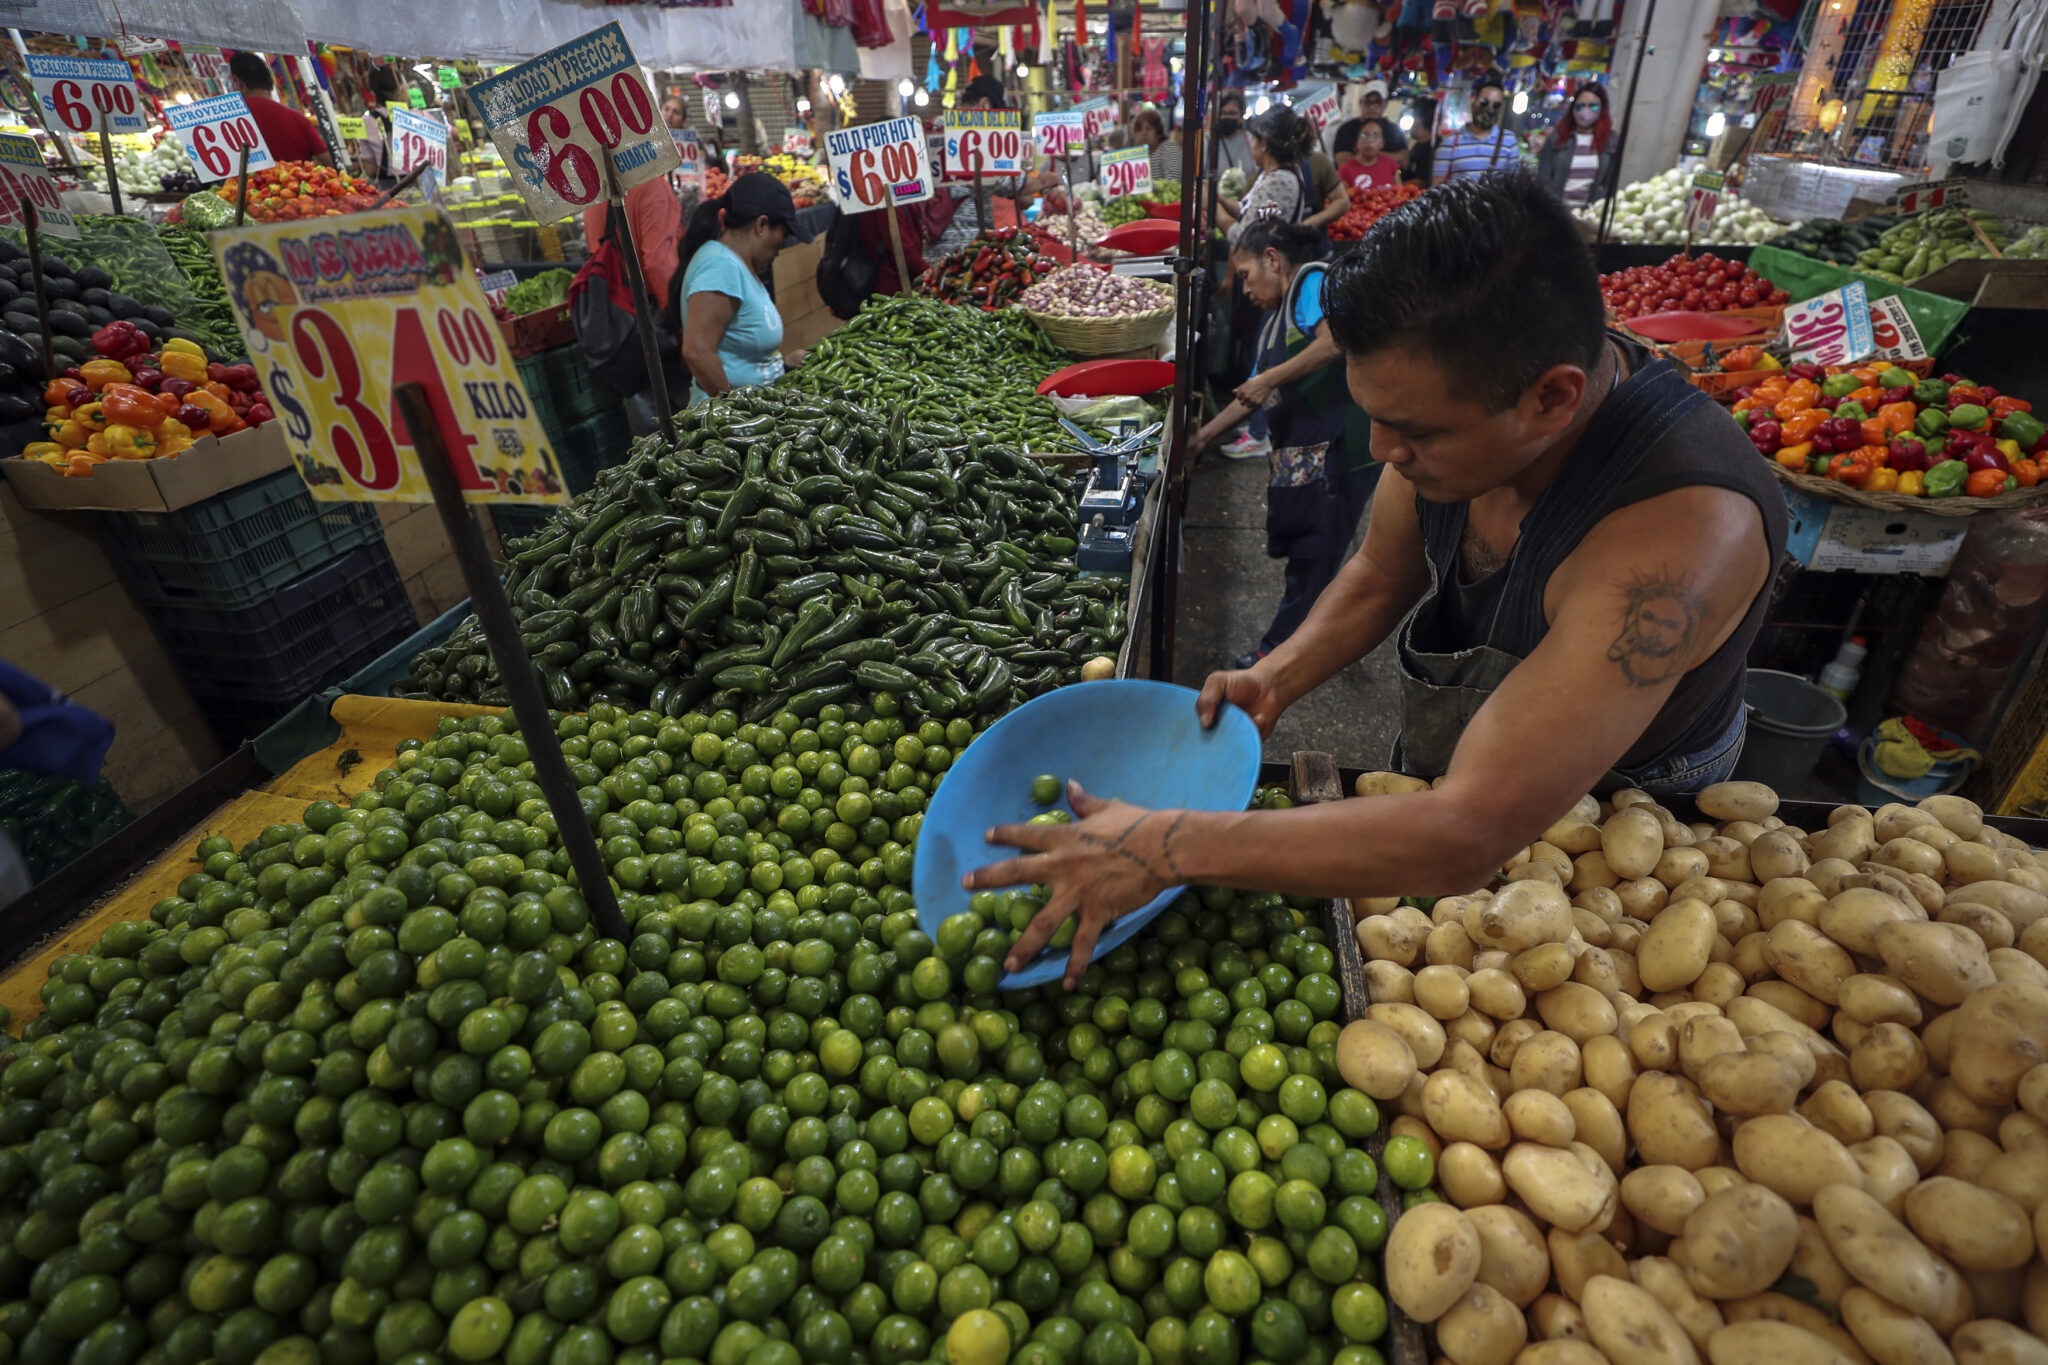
column 1146, row 237
column 1104, row 378
column 1170, row 212
column 1669, row 327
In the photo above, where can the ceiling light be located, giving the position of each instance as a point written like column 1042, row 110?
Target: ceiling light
column 732, row 99
column 1265, row 103
column 905, row 86
column 182, row 98
column 1521, row 101
column 921, row 99
column 803, row 106
column 1022, row 71
column 1716, row 122
column 836, row 83
column 1407, row 122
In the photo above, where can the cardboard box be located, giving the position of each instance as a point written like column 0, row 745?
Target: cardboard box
column 1826, row 536
column 213, row 465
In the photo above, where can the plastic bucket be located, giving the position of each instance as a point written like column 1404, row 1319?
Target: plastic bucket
column 1790, row 723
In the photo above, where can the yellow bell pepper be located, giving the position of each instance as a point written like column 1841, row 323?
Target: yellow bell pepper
column 49, row 452
column 1910, row 483
column 72, row 435
column 97, row 374
column 1882, row 481
column 172, row 436
column 2011, row 450
column 120, row 442
column 180, row 346
column 183, row 364
column 91, row 416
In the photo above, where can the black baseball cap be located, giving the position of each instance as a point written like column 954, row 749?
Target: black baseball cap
column 983, row 87
column 758, row 194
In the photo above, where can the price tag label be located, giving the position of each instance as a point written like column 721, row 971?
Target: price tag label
column 797, row 141
column 496, row 285
column 1705, row 198
column 81, row 93
column 132, row 46
column 1927, row 198
column 1319, row 107
column 690, row 153
column 24, row 179
column 1097, row 115
column 214, row 132
column 555, row 118
column 879, row 165
column 1833, row 329
column 1893, row 332
column 351, row 129
column 984, row 142
column 417, row 140
column 449, row 78
column 415, row 97
column 1060, row 135
column 1126, row 171
column 334, row 309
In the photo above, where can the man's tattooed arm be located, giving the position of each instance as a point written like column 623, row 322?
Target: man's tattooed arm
column 1661, row 617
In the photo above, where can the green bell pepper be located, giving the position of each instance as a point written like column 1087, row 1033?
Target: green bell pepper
column 1969, row 417
column 2023, row 428
column 1896, row 378
column 1855, row 412
column 1945, row 480
column 1839, row 385
column 1931, row 393
column 1930, row 422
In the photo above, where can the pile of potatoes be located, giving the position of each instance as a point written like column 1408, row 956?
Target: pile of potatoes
column 1737, row 1091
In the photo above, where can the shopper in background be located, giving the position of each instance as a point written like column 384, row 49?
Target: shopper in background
column 1280, row 141
column 1361, row 156
column 1329, row 198
column 1577, row 162
column 731, row 332
column 955, row 217
column 1148, row 129
column 1322, row 466
column 1372, row 108
column 377, row 126
column 675, row 113
column 655, row 216
column 1233, row 143
column 873, row 231
column 289, row 134
column 1484, row 144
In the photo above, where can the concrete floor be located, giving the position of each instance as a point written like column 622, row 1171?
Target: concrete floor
column 1228, row 589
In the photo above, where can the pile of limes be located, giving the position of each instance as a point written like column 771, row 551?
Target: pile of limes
column 371, row 1089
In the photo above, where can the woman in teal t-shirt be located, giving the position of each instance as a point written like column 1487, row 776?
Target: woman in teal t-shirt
column 732, row 334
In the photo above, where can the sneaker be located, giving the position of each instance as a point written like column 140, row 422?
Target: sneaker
column 1246, row 446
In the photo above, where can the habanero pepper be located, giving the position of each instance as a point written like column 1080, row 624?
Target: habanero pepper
column 1839, row 385
column 1882, row 481
column 1896, row 417
column 1852, row 410
column 1969, row 417
column 2025, row 472
column 1794, row 457
column 1931, row 393
column 1929, row 423
column 2005, row 405
column 1851, row 468
column 1801, row 426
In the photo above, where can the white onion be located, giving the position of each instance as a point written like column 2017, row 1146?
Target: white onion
column 1653, row 211
column 1082, row 291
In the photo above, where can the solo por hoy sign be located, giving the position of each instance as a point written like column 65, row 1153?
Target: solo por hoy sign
column 879, row 165
column 555, row 118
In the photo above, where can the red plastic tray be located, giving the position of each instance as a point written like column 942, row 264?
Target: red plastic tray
column 1146, row 237
column 1683, row 326
column 1170, row 212
column 1103, row 378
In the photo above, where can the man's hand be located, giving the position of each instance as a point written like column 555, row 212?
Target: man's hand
column 1113, row 860
column 1247, row 689
column 1254, row 392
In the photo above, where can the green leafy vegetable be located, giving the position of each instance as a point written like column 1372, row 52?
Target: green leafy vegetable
column 544, row 290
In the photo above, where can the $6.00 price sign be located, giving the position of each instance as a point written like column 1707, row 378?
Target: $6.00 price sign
column 1833, row 329
column 417, row 140
column 556, row 118
column 23, row 179
column 1126, row 171
column 983, row 142
column 81, row 93
column 214, row 132
column 879, row 165
column 338, row 311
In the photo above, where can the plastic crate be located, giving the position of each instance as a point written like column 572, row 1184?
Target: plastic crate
column 576, row 390
column 539, row 374
column 236, row 549
column 312, row 631
column 590, row 445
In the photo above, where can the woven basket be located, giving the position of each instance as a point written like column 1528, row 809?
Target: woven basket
column 1107, row 336
column 1958, row 506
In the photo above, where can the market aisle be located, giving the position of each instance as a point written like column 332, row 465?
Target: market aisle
column 1228, row 589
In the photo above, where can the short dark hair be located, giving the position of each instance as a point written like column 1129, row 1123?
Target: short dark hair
column 1492, row 80
column 1148, row 115
column 1227, row 96
column 384, row 84
column 983, row 87
column 1486, row 275
column 1298, row 243
column 1346, row 137
column 250, row 70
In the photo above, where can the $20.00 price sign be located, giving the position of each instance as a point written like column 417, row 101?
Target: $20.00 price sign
column 79, row 93
column 417, row 140
column 23, row 179
column 1833, row 329
column 214, row 132
column 879, row 165
column 1060, row 135
column 1126, row 171
column 555, row 119
column 1319, row 107
column 337, row 310
column 983, row 142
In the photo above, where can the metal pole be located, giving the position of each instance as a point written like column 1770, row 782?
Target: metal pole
column 32, row 220
column 643, row 307
column 515, row 668
column 1635, row 83
column 107, row 159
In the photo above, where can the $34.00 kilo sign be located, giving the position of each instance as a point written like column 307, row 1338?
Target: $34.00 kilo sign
column 338, row 311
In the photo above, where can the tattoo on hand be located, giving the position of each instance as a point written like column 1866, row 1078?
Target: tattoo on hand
column 1165, row 867
column 1660, row 617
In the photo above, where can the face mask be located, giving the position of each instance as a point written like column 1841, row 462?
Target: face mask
column 1227, row 127
column 1585, row 118
column 1484, row 116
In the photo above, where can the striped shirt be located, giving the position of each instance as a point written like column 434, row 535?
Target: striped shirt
column 1467, row 153
column 1578, row 187
column 1166, row 159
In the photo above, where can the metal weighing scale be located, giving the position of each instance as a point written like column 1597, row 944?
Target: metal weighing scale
column 1113, row 496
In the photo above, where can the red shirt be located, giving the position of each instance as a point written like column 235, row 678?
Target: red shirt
column 655, row 216
column 1359, row 176
column 289, row 134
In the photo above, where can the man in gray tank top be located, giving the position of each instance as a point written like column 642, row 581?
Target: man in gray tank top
column 1572, row 545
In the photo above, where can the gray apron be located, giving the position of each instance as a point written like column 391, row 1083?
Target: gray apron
column 1442, row 691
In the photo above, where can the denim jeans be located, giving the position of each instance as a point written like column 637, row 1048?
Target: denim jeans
column 1684, row 774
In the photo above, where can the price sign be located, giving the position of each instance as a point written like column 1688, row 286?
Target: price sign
column 214, row 132
column 415, row 97
column 417, row 140
column 1097, row 115
column 1927, row 198
column 351, row 129
column 335, row 309
column 983, row 142
column 556, row 117
column 1319, row 107
column 1705, row 197
column 797, row 141
column 879, row 165
column 450, row 78
column 1126, row 171
column 496, row 285
column 82, row 92
column 690, row 152
column 207, row 63
column 1060, row 135
column 132, row 46
column 1893, row 332
column 24, row 179
column 1833, row 329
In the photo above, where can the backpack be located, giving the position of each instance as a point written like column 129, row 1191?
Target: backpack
column 846, row 273
column 601, row 307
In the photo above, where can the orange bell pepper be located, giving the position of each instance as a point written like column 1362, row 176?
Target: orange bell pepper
column 1875, row 433
column 1867, row 373
column 225, row 418
column 132, row 406
column 1800, row 395
column 1985, row 483
column 2001, row 406
column 1897, row 417
column 1882, row 481
column 2027, row 471
column 1801, row 426
column 1794, row 457
column 1869, row 396
column 80, row 466
column 1851, row 467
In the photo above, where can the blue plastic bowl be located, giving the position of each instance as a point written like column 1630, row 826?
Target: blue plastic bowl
column 1129, row 739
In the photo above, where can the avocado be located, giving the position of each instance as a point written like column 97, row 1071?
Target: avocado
column 92, row 277
column 71, row 349
column 147, row 328
column 11, row 251
column 60, row 288
column 162, row 317
column 122, row 306
column 95, row 296
column 57, row 266
column 68, row 324
column 98, row 317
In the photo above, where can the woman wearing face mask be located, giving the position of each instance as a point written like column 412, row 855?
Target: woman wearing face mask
column 1577, row 163
column 1484, row 144
column 1233, row 144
